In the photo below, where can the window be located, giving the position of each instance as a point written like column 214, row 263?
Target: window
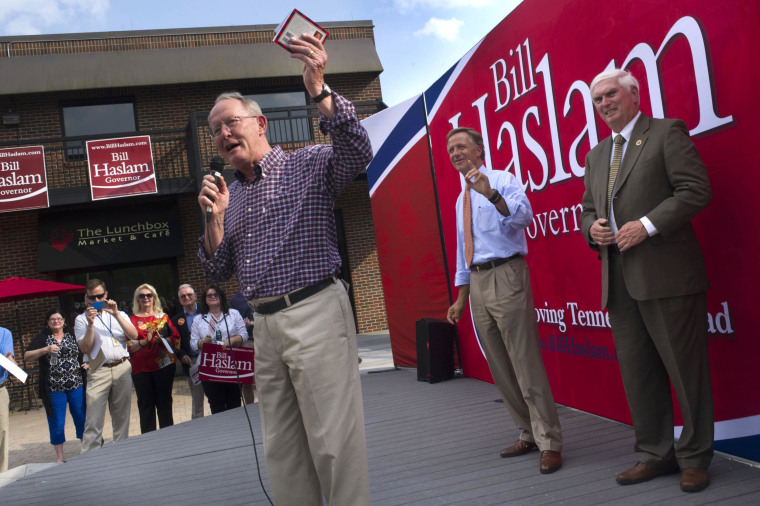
column 285, row 126
column 95, row 119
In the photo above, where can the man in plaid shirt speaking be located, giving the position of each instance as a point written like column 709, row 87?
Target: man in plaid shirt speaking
column 274, row 229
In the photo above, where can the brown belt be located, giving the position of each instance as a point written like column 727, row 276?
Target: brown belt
column 115, row 362
column 2, row 386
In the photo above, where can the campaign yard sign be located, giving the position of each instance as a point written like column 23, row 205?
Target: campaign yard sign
column 225, row 365
column 23, row 181
column 121, row 167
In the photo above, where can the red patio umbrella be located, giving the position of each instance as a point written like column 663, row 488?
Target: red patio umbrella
column 15, row 289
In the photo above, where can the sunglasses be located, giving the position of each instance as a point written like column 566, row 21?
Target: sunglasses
column 96, row 296
column 212, row 295
column 187, row 296
column 144, row 295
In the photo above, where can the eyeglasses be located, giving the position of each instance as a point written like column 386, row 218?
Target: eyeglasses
column 144, row 295
column 55, row 320
column 212, row 295
column 230, row 123
column 96, row 296
column 187, row 296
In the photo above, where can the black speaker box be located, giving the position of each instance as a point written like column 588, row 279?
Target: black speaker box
column 435, row 350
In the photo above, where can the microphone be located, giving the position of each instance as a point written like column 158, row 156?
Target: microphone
column 215, row 166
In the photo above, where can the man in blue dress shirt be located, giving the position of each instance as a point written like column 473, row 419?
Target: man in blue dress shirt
column 493, row 274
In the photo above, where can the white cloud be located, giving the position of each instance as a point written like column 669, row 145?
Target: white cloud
column 408, row 5
column 27, row 17
column 447, row 29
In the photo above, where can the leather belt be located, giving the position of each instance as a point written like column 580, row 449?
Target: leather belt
column 493, row 263
column 115, row 362
column 2, row 386
column 293, row 298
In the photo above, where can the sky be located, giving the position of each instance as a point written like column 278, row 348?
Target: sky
column 417, row 40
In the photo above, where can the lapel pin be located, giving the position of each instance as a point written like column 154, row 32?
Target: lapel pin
column 638, row 142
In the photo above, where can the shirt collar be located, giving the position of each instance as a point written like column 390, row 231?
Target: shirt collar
column 273, row 158
column 627, row 130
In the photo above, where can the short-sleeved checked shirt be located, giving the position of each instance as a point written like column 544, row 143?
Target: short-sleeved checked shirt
column 279, row 231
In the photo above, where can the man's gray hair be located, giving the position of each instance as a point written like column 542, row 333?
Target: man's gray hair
column 624, row 79
column 182, row 287
column 251, row 106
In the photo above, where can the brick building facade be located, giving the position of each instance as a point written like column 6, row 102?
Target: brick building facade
column 169, row 79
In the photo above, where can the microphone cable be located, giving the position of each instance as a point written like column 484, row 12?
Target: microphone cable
column 245, row 409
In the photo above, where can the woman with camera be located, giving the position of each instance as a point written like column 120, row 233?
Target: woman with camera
column 152, row 356
column 218, row 323
column 61, row 378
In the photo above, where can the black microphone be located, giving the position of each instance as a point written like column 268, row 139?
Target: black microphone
column 215, row 166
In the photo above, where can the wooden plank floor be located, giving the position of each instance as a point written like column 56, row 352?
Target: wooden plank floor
column 427, row 444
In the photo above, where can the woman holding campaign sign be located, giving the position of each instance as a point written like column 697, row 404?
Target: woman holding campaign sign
column 220, row 325
column 153, row 358
column 61, row 377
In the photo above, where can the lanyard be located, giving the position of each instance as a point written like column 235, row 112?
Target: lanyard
column 108, row 327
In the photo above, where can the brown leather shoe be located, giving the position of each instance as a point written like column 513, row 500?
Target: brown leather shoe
column 550, row 461
column 643, row 472
column 694, row 479
column 519, row 448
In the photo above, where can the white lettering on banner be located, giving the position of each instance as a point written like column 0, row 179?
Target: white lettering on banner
column 224, row 363
column 16, row 180
column 507, row 92
column 555, row 221
column 584, row 318
column 551, row 316
column 720, row 323
column 500, row 75
column 115, row 170
column 5, row 166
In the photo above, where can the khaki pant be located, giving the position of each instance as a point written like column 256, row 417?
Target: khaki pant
column 4, row 432
column 505, row 318
column 112, row 385
column 196, row 391
column 310, row 402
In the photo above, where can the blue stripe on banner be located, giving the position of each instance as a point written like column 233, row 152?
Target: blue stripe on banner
column 747, row 447
column 432, row 93
column 409, row 125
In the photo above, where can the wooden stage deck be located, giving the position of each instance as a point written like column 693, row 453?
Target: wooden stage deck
column 427, row 444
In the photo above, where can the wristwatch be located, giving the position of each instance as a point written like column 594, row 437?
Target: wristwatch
column 325, row 92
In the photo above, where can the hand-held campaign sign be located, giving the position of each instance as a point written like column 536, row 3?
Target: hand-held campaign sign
column 121, row 167
column 23, row 180
column 217, row 364
column 525, row 88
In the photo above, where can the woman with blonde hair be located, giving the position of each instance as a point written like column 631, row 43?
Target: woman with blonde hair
column 152, row 357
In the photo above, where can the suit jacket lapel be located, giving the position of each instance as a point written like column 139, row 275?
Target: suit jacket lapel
column 635, row 145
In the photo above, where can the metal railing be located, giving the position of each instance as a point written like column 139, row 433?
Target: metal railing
column 179, row 153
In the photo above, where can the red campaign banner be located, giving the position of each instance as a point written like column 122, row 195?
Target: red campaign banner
column 217, row 364
column 525, row 88
column 121, row 167
column 23, row 180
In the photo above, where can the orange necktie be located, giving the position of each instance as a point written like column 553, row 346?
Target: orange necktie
column 467, row 222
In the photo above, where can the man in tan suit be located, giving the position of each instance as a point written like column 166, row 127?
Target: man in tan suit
column 654, row 280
